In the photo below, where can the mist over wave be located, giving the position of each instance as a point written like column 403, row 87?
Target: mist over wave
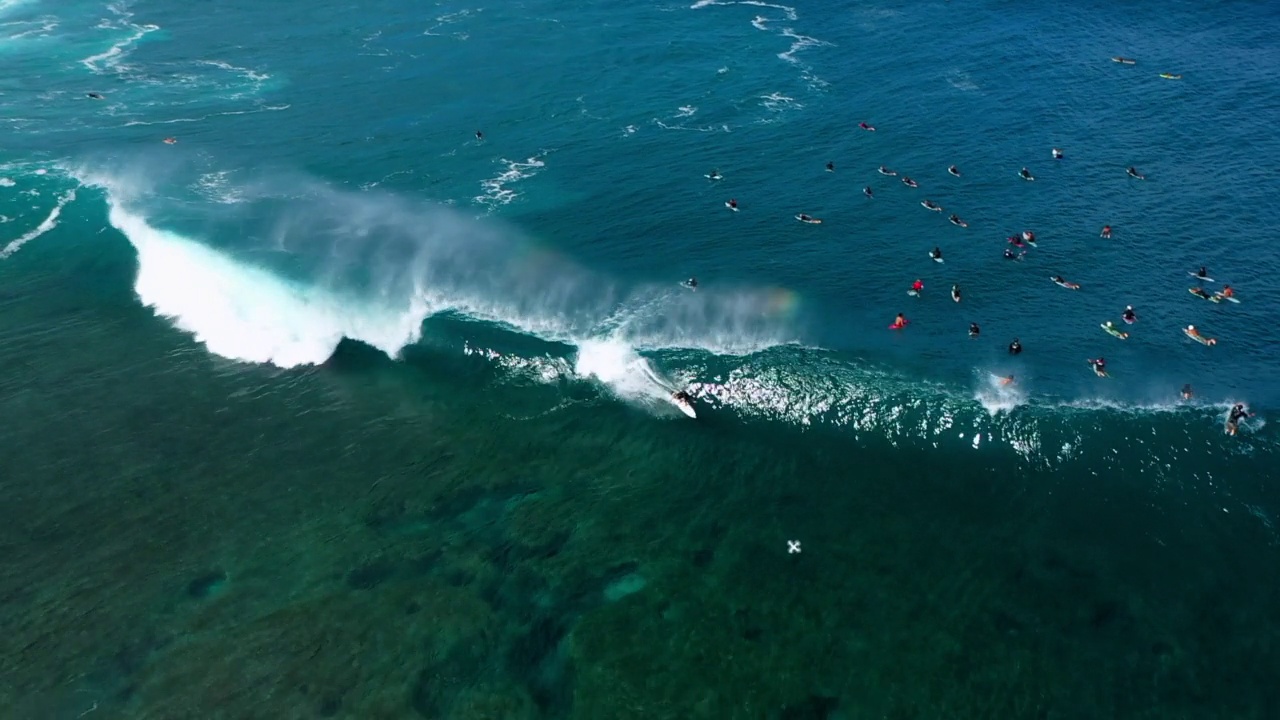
column 281, row 269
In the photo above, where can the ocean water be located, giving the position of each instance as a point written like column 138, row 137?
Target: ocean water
column 331, row 408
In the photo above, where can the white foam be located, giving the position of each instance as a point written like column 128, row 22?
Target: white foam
column 497, row 190
column 686, row 111
column 111, row 58
column 245, row 313
column 996, row 397
column 629, row 376
column 45, row 226
column 6, row 182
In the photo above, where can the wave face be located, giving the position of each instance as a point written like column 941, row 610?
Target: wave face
column 282, row 272
column 303, row 266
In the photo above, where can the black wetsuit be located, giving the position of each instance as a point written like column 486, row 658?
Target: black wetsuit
column 1238, row 413
column 1015, row 347
column 1128, row 315
column 974, row 330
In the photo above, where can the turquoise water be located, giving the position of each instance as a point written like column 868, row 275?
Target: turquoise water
column 331, row 408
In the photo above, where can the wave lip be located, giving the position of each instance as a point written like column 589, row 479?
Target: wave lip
column 371, row 267
column 245, row 313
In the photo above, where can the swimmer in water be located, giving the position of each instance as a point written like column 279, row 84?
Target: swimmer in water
column 831, row 167
column 1009, row 255
column 479, row 135
column 170, row 141
column 1006, row 380
column 1133, row 173
column 867, row 191
column 974, row 330
column 899, row 322
column 1187, row 392
column 1106, row 232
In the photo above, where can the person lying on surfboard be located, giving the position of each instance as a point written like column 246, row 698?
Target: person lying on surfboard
column 867, row 191
column 1099, row 365
column 1133, row 173
column 1063, row 283
column 1194, row 334
column 866, row 127
column 1201, row 292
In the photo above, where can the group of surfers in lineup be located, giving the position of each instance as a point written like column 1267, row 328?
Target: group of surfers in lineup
column 1020, row 241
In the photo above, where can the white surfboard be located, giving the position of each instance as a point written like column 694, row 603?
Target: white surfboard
column 685, row 407
column 1206, row 279
column 936, row 259
column 713, row 177
column 731, row 207
column 913, row 293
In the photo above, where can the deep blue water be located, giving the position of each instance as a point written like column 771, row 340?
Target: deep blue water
column 326, row 183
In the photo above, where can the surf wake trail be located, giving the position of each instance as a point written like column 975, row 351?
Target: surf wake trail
column 49, row 223
column 292, row 268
